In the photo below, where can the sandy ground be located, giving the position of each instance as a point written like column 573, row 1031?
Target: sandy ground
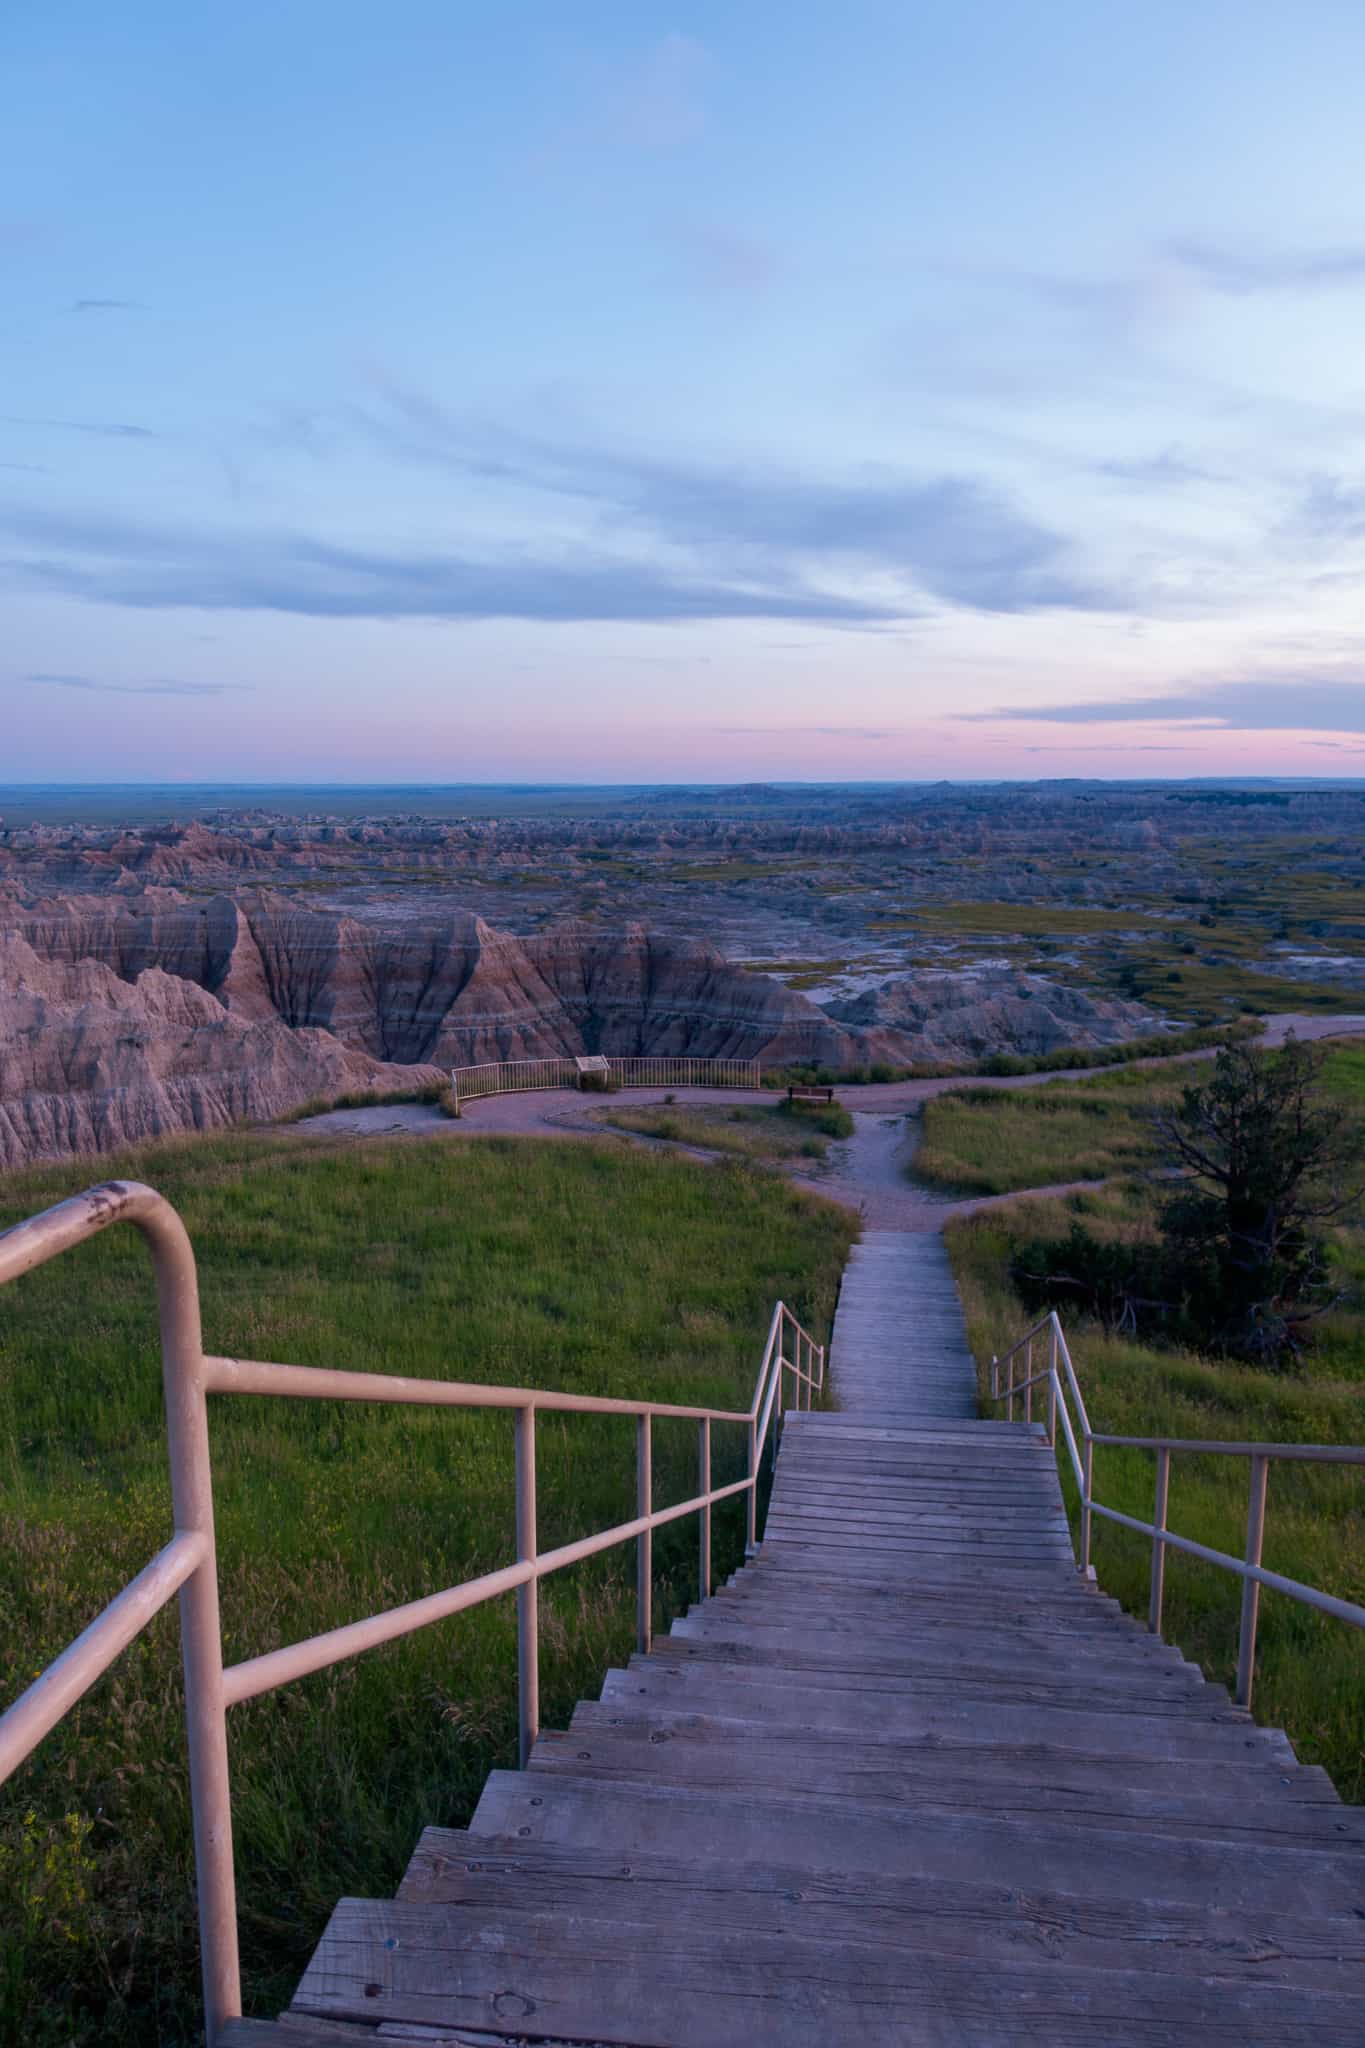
column 867, row 1172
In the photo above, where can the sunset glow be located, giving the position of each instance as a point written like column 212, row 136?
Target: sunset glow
column 890, row 394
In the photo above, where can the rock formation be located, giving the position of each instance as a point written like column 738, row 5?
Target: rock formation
column 450, row 990
column 127, row 1014
column 960, row 1016
column 89, row 1061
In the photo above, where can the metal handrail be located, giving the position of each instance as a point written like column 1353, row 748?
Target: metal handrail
column 1059, row 1377
column 645, row 1070
column 188, row 1563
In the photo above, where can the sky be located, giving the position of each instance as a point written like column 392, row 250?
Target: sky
column 617, row 393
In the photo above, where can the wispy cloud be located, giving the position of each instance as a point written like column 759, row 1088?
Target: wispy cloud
column 1297, row 704
column 1172, row 468
column 954, row 538
column 1144, row 747
column 105, row 306
column 1240, row 269
column 136, row 689
column 111, row 561
column 717, row 258
column 112, row 430
column 831, row 732
column 1330, row 509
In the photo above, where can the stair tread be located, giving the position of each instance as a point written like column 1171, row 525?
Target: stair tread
column 604, row 1979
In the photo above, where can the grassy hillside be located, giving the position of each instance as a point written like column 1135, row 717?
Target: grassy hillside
column 573, row 1266
column 988, row 1141
column 786, row 1131
column 1311, row 1670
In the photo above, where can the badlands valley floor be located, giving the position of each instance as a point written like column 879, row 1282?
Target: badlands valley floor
column 175, row 959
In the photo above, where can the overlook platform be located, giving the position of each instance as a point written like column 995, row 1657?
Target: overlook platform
column 907, row 1779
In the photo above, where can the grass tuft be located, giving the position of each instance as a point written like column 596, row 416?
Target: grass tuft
column 784, row 1132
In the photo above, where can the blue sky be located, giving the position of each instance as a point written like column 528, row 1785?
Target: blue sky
column 626, row 393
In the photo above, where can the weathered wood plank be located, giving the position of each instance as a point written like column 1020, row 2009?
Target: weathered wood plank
column 1036, row 1852
column 615, row 1981
column 1262, row 1775
column 705, row 1689
column 980, row 1922
column 1167, row 1695
column 625, row 1756
column 1005, row 1663
column 940, row 1649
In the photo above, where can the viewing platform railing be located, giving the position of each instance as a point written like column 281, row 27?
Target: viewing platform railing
column 1058, row 1377
column 506, row 1077
column 187, row 1564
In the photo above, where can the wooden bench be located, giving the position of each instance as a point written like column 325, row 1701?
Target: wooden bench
column 797, row 1093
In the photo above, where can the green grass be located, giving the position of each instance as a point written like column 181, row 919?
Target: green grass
column 990, row 1141
column 785, row 1131
column 739, row 870
column 1311, row 1669
column 994, row 1141
column 575, row 1266
column 1021, row 920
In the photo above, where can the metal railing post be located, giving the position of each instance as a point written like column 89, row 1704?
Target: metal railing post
column 1052, row 1387
column 1087, row 1493
column 187, row 1430
column 1163, row 1484
column 644, row 1549
column 751, row 1531
column 528, row 1596
column 1251, row 1592
column 704, row 1474
column 1028, row 1382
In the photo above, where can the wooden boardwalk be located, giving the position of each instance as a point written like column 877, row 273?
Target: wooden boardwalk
column 899, row 1344
column 906, row 1780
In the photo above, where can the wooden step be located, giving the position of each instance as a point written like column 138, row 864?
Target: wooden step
column 712, row 1827
column 1260, row 1776
column 1165, row 1693
column 1070, row 1604
column 870, row 1507
column 941, row 1647
column 733, row 1689
column 895, row 1424
column 644, row 1753
column 674, row 1985
column 982, row 1923
column 887, row 1536
column 927, row 1663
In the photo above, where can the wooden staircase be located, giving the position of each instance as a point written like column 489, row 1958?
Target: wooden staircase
column 908, row 1778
